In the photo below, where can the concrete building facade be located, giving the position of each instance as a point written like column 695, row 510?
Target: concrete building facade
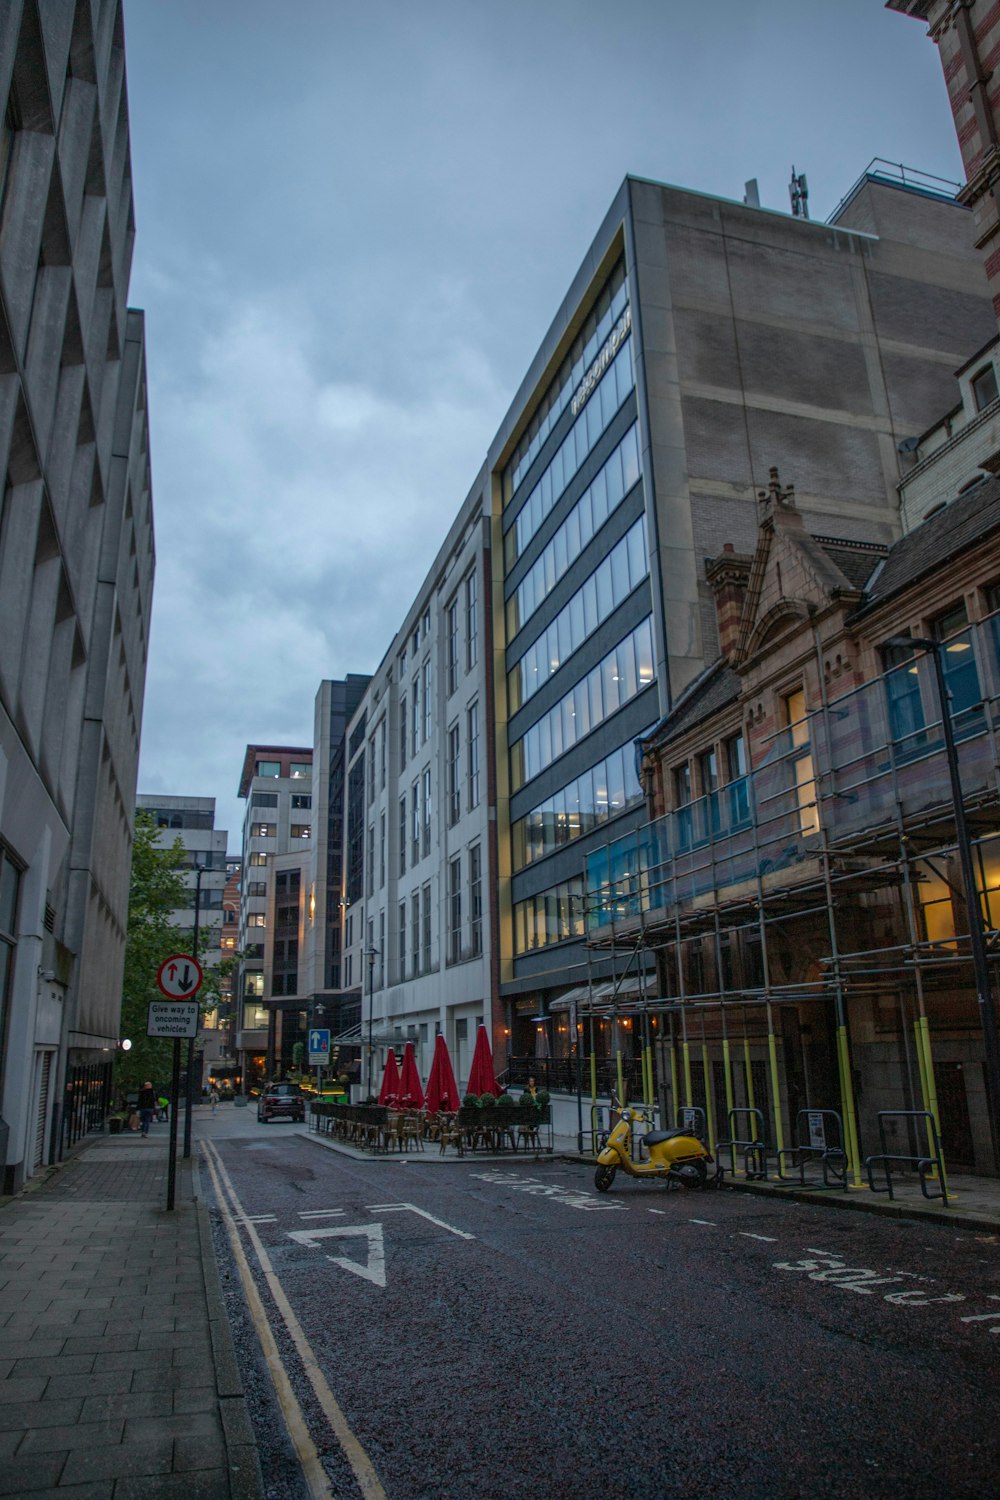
column 701, row 343
column 76, row 567
column 276, row 783
column 417, row 924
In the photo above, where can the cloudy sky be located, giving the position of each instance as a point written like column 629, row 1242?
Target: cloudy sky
column 355, row 221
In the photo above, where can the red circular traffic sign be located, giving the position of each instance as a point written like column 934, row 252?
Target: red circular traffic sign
column 179, row 976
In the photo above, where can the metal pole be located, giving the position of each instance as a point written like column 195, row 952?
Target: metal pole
column 175, row 1089
column 190, row 1052
column 977, row 941
column 371, row 1018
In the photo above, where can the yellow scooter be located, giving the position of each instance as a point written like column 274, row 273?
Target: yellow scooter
column 672, row 1156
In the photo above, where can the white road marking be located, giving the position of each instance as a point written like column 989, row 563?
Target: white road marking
column 661, row 1211
column 394, row 1208
column 315, row 1474
column 258, row 1219
column 373, row 1270
column 319, row 1213
column 704, row 1221
column 768, row 1237
column 569, row 1197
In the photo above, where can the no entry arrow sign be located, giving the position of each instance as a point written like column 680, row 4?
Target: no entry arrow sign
column 179, row 976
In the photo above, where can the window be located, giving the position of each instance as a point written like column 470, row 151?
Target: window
column 451, row 626
column 415, row 823
column 381, row 949
column 708, row 779
column 382, row 756
column 903, row 696
column 958, row 661
column 427, row 623
column 682, row 803
column 256, row 919
column 416, row 717
column 301, row 803
column 426, row 842
column 301, row 830
column 803, row 780
column 402, row 835
column 258, row 858
column 371, row 769
column 471, row 621
column 415, row 933
column 984, row 387
column 299, row 768
column 401, row 941
column 427, row 929
column 455, row 911
column 472, row 753
column 402, row 731
column 381, row 851
column 263, row 830
column 267, row 768
column 257, row 888
column 254, row 1018
column 454, row 776
column 427, row 699
column 475, row 900
column 370, row 861
column 737, row 781
column 264, row 799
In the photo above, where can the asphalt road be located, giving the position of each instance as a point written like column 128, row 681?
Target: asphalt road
column 495, row 1329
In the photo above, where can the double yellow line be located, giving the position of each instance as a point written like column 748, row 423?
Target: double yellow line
column 298, row 1430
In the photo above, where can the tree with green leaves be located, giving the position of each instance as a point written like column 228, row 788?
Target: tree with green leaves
column 156, row 891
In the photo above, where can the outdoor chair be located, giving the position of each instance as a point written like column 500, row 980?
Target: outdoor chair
column 409, row 1131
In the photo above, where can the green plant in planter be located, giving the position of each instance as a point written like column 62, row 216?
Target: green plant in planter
column 487, row 1101
column 506, row 1101
column 470, row 1099
column 541, row 1098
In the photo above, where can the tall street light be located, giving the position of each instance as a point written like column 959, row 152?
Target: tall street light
column 200, row 870
column 977, row 938
column 369, row 953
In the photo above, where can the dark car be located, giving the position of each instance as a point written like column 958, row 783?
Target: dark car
column 281, row 1101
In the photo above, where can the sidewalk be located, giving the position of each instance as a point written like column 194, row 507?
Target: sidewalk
column 118, row 1379
column 973, row 1202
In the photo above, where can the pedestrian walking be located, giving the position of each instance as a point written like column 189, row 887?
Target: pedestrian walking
column 147, row 1107
column 213, row 1099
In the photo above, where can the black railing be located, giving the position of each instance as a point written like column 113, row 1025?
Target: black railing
column 559, row 1074
column 86, row 1101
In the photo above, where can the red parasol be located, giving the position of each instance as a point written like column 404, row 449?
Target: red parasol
column 389, row 1092
column 481, row 1076
column 442, row 1090
column 410, row 1091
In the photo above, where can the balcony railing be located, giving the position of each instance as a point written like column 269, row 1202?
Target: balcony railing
column 845, row 778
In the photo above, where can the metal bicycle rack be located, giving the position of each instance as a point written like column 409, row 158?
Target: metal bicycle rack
column 888, row 1160
column 812, row 1123
column 600, row 1127
column 692, row 1118
column 753, row 1146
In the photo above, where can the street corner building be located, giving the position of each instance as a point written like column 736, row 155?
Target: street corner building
column 702, row 342
column 76, row 568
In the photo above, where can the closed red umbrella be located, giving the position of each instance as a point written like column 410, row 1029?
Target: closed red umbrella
column 481, row 1076
column 442, row 1090
column 411, row 1092
column 389, row 1092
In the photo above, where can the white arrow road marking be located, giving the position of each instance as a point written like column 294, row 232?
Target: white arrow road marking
column 374, row 1271
column 399, row 1208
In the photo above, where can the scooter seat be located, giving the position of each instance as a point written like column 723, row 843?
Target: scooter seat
column 655, row 1137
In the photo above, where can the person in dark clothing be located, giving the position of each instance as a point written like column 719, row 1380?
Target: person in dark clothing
column 147, row 1106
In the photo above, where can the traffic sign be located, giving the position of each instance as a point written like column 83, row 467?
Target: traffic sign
column 179, row 976
column 319, row 1044
column 173, row 1018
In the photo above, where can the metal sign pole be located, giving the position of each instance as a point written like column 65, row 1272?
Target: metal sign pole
column 175, row 1089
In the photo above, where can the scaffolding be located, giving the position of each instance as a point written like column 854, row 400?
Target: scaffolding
column 809, row 921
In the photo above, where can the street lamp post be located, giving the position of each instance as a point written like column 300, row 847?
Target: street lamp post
column 200, row 870
column 977, row 939
column 369, row 953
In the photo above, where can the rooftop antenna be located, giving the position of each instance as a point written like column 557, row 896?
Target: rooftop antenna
column 751, row 193
column 798, row 191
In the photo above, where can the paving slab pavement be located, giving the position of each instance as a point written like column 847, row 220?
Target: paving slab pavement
column 118, row 1377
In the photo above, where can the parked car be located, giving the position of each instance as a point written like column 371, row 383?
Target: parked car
column 281, row 1101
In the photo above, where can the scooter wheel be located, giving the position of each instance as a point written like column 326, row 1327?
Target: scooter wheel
column 693, row 1174
column 604, row 1177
